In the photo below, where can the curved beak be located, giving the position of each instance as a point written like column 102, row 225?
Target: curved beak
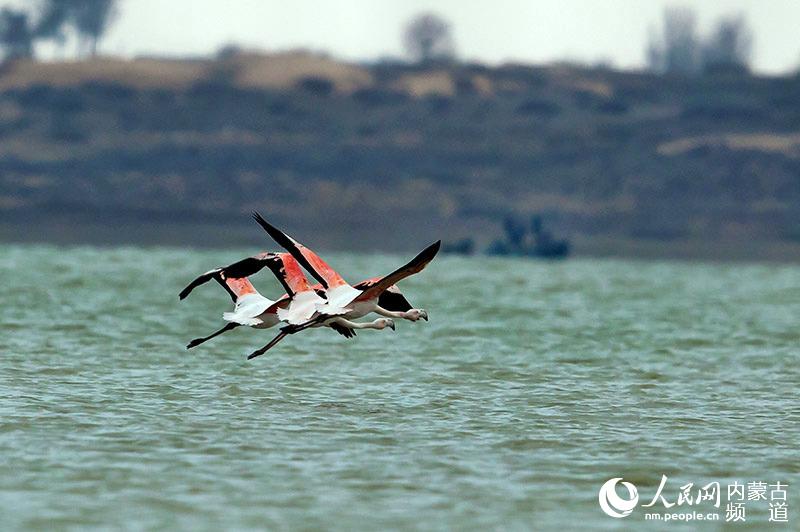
column 423, row 314
column 391, row 324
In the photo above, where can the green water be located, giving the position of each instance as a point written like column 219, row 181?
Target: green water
column 532, row 385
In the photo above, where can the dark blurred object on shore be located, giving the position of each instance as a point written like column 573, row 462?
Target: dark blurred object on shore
column 465, row 246
column 529, row 241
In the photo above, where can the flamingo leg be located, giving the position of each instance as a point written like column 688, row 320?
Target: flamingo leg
column 198, row 341
column 353, row 325
column 267, row 347
column 291, row 329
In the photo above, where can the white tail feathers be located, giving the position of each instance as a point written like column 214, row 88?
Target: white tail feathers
column 241, row 320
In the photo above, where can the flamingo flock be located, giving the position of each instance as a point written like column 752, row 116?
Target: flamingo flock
column 332, row 303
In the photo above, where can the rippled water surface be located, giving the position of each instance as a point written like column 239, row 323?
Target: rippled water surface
column 532, row 385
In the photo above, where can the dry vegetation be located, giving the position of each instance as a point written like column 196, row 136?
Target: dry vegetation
column 388, row 154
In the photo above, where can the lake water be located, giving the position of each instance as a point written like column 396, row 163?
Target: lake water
column 532, row 384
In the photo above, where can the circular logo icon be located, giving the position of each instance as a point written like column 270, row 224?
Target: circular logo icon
column 614, row 505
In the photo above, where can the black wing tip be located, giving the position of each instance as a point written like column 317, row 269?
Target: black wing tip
column 290, row 245
column 268, row 227
column 202, row 279
column 277, row 235
column 347, row 332
column 186, row 291
column 430, row 252
column 258, row 218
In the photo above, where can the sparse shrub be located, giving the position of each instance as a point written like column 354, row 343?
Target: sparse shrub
column 109, row 90
column 587, row 99
column 720, row 107
column 64, row 129
column 67, row 100
column 539, row 108
column 465, row 86
column 162, row 97
column 378, row 96
column 279, row 107
column 316, row 85
column 616, row 132
column 532, row 77
column 210, row 89
column 613, row 106
column 439, row 103
column 58, row 100
column 36, row 95
column 367, row 130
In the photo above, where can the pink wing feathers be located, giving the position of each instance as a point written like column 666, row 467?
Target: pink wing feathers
column 312, row 262
column 239, row 286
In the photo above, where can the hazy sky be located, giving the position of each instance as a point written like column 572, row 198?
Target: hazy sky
column 487, row 30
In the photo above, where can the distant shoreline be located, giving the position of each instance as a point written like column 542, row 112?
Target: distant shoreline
column 220, row 235
column 394, row 156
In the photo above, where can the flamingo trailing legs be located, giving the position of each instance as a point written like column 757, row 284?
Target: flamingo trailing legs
column 254, row 310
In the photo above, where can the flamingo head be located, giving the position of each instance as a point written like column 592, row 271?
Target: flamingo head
column 382, row 323
column 415, row 314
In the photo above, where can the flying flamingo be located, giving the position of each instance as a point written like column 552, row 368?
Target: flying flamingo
column 249, row 305
column 254, row 310
column 341, row 299
column 386, row 299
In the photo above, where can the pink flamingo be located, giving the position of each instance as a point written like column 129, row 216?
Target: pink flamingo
column 343, row 301
column 254, row 310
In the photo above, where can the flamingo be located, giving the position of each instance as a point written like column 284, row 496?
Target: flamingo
column 254, row 310
column 391, row 302
column 249, row 305
column 343, row 301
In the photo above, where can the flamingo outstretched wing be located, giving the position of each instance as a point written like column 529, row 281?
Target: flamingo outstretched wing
column 318, row 268
column 203, row 279
column 338, row 292
column 234, row 276
column 391, row 299
column 378, row 287
column 415, row 265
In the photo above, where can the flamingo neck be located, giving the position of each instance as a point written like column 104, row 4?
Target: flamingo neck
column 377, row 324
column 396, row 314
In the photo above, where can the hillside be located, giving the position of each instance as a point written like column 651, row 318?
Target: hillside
column 389, row 156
